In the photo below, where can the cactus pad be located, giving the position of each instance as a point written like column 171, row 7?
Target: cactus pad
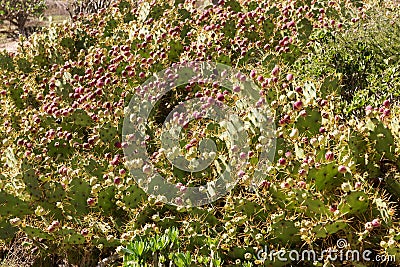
column 10, row 205
column 80, row 118
column 310, row 124
column 108, row 133
column 53, row 191
column 36, row 233
column 78, row 193
column 384, row 140
column 134, row 196
column 285, row 232
column 326, row 177
column 31, row 180
column 355, row 202
column 106, row 199
column 70, row 236
column 59, row 148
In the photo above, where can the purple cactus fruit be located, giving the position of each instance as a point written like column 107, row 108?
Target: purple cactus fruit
column 333, row 208
column 179, row 201
column 303, row 113
column 265, row 184
column 289, row 155
column 342, row 169
column 386, row 103
column 55, row 224
column 329, row 156
column 285, row 185
column 91, row 201
column 376, row 223
column 302, row 184
column 51, row 228
column 357, row 185
column 289, row 77
column 117, row 180
column 183, row 189
column 84, row 232
column 275, row 71
column 302, row 172
column 146, row 169
column 282, row 161
column 220, row 97
column 297, row 105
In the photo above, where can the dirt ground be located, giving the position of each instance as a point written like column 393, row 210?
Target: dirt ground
column 55, row 8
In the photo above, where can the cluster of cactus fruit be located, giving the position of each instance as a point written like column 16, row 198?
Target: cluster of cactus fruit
column 63, row 179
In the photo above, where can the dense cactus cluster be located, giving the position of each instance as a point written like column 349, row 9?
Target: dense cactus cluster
column 64, row 179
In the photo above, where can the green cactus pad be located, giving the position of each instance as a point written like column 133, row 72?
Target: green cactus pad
column 24, row 65
column 15, row 94
column 67, row 42
column 134, row 196
column 106, row 199
column 108, row 133
column 395, row 252
column 78, row 193
column 13, row 206
column 229, row 29
column 63, row 149
column 310, row 124
column 54, row 212
column 293, row 55
column 37, row 233
column 285, row 232
column 93, row 168
column 355, row 202
column 358, row 147
column 175, row 52
column 304, row 28
column 157, row 11
column 6, row 62
column 383, row 139
column 184, row 14
column 235, row 5
column 70, row 236
column 315, row 207
column 106, row 243
column 330, row 86
column 223, row 59
column 281, row 199
column 251, row 209
column 268, row 28
column 31, row 180
column 322, row 230
column 7, row 231
column 237, row 253
column 53, row 191
column 80, row 118
column 326, row 177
